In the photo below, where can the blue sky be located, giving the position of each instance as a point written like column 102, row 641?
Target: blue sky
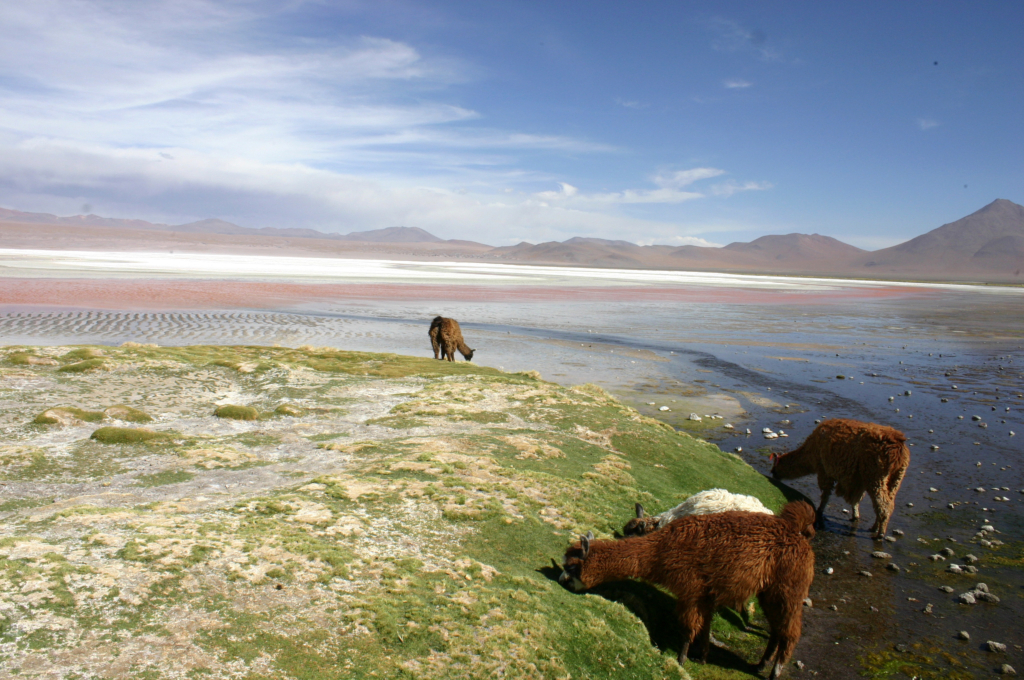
column 656, row 122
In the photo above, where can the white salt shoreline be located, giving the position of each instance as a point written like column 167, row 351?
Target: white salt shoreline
column 65, row 264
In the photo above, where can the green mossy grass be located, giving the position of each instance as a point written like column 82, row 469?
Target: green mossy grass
column 423, row 553
column 232, row 412
column 127, row 414
column 82, row 366
column 127, row 435
column 47, row 417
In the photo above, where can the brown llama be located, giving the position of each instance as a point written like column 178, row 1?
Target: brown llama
column 710, row 561
column 854, row 458
column 446, row 337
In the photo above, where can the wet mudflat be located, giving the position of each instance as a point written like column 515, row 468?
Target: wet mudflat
column 945, row 367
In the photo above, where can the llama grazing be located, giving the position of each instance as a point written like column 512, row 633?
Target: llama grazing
column 854, row 458
column 701, row 503
column 710, row 561
column 446, row 337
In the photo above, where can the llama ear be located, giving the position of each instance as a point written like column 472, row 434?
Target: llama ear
column 590, row 535
column 585, row 545
column 639, row 511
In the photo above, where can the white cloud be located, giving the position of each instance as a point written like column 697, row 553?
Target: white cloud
column 729, row 188
column 682, row 178
column 737, row 84
column 927, row 123
column 179, row 110
column 631, row 104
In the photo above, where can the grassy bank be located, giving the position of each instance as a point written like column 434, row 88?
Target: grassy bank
column 398, row 517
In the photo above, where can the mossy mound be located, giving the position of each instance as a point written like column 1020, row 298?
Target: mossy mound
column 26, row 359
column 127, row 414
column 127, row 435
column 288, row 410
column 84, row 353
column 233, row 412
column 67, row 415
column 317, row 547
column 82, row 366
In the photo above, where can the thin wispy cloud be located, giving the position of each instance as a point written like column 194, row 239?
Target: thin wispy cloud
column 737, row 84
column 174, row 111
column 729, row 36
column 927, row 123
column 631, row 104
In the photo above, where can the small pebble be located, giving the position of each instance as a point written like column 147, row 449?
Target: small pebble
column 879, row 555
column 808, row 602
column 898, row 532
column 937, row 558
column 910, row 505
column 928, row 608
column 954, row 569
column 969, row 569
column 892, row 566
column 833, row 607
column 865, row 572
column 966, row 598
column 997, row 647
column 948, row 552
column 946, row 589
column 981, row 587
column 890, row 539
column 933, row 489
column 986, row 597
column 964, row 635
column 799, row 664
column 829, row 570
column 1007, row 669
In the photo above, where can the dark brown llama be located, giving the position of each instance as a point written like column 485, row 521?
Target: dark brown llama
column 710, row 561
column 854, row 458
column 446, row 337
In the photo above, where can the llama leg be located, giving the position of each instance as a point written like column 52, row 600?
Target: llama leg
column 787, row 623
column 882, row 503
column 689, row 621
column 826, row 485
column 856, row 508
column 773, row 636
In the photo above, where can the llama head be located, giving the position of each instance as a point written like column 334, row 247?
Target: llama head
column 572, row 565
column 469, row 357
column 641, row 525
column 800, row 515
column 774, row 459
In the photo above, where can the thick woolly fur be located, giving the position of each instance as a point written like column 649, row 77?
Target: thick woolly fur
column 854, row 458
column 446, row 337
column 701, row 503
column 710, row 561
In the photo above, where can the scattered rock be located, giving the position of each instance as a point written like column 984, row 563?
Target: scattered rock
column 892, row 566
column 903, row 649
column 879, row 555
column 898, row 532
column 1007, row 669
column 981, row 587
column 969, row 569
column 833, row 607
column 693, row 416
column 997, row 647
column 948, row 552
column 865, row 572
column 966, row 598
column 890, row 539
column 946, row 589
column 799, row 664
column 986, row 597
column 829, row 570
column 937, row 558
column 808, row 602
column 954, row 569
column 928, row 608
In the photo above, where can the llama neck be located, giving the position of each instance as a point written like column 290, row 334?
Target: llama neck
column 618, row 560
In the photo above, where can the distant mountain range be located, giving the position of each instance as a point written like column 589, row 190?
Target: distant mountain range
column 986, row 246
